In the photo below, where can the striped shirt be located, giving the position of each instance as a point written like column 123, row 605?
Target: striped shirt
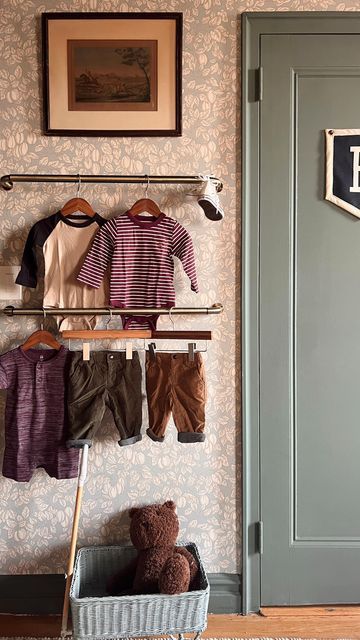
column 141, row 251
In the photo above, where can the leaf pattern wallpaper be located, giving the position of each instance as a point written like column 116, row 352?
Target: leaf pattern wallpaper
column 203, row 478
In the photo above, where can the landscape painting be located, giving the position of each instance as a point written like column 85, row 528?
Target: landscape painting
column 112, row 75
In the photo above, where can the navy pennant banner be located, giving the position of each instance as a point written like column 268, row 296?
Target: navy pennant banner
column 343, row 169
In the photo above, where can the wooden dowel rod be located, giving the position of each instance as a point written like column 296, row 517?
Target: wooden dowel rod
column 106, row 334
column 113, row 334
column 182, row 335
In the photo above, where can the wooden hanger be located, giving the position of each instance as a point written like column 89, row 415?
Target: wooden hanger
column 41, row 336
column 145, row 204
column 77, row 204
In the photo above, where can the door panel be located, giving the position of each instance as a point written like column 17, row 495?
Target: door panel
column 309, row 327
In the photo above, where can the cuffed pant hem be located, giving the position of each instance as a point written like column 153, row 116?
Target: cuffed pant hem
column 191, row 436
column 78, row 444
column 132, row 440
column 154, row 437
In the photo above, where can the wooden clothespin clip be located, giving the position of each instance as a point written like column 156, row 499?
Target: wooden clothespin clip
column 86, row 350
column 191, row 350
column 129, row 351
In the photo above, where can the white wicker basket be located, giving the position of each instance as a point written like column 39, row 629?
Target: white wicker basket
column 96, row 615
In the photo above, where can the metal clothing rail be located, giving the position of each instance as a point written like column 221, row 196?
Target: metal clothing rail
column 7, row 182
column 13, row 311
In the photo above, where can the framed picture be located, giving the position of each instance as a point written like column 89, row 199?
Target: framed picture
column 112, row 74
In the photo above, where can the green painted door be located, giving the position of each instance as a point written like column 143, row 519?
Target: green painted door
column 309, row 327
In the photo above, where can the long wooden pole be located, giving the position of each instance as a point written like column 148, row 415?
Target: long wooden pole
column 74, row 536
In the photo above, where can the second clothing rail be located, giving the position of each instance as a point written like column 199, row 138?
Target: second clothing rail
column 109, row 311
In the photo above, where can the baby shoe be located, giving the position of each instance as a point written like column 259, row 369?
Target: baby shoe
column 209, row 201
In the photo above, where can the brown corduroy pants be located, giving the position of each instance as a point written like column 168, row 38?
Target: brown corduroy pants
column 176, row 384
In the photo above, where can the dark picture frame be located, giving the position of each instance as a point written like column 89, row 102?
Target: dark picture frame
column 112, row 74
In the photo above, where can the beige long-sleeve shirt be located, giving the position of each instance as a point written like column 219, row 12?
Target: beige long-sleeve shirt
column 65, row 242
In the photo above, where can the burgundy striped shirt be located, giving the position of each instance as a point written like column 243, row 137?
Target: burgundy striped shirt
column 141, row 251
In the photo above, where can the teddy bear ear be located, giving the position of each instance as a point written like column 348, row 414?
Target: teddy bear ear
column 132, row 511
column 170, row 504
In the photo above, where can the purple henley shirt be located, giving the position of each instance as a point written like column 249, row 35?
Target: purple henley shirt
column 35, row 418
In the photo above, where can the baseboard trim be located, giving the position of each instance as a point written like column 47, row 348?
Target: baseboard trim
column 225, row 593
column 43, row 594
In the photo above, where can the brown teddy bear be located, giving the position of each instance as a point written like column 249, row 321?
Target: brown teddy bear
column 160, row 566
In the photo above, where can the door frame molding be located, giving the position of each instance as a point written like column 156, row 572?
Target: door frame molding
column 254, row 25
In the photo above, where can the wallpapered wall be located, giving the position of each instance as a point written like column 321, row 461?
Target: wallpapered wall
column 203, row 479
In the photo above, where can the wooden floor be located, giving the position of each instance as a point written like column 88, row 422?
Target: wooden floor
column 296, row 622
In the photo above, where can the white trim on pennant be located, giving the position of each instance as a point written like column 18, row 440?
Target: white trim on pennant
column 329, row 195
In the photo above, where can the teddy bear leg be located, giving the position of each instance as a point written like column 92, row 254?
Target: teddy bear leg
column 175, row 575
column 191, row 560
